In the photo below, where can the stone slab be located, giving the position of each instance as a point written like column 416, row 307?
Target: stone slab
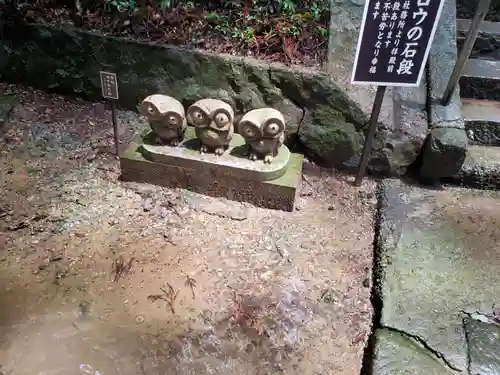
column 481, row 168
column 211, row 180
column 444, row 153
column 488, row 40
column 484, row 347
column 481, row 79
column 396, row 354
column 234, row 161
column 438, row 260
column 466, row 9
column 482, row 121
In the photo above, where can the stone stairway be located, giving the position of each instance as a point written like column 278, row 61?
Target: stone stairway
column 480, row 97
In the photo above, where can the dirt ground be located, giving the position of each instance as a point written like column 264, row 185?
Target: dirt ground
column 103, row 277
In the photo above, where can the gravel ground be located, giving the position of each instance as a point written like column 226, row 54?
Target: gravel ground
column 103, row 277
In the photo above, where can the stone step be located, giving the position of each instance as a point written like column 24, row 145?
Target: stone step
column 481, row 168
column 488, row 41
column 482, row 121
column 481, row 79
column 467, row 8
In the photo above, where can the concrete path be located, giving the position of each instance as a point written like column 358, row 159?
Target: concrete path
column 438, row 280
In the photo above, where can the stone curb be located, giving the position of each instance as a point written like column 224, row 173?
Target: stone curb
column 488, row 40
column 481, row 169
column 446, row 145
column 394, row 350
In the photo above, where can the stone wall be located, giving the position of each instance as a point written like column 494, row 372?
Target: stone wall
column 328, row 122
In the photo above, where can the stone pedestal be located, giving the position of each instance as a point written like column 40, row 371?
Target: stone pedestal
column 231, row 175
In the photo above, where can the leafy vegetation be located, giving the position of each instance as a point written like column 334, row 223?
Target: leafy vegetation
column 292, row 31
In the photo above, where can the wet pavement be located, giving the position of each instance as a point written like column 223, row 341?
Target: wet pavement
column 438, row 281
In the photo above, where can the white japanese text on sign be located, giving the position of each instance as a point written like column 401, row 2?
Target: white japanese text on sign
column 109, row 85
column 394, row 40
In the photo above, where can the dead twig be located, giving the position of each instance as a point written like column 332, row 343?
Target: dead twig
column 191, row 283
column 121, row 267
column 169, row 296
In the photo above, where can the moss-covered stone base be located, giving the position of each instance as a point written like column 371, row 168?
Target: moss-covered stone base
column 235, row 160
column 207, row 178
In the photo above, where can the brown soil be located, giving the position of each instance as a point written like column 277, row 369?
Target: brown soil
column 271, row 292
column 300, row 38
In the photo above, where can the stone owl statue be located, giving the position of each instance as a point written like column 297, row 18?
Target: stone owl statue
column 264, row 132
column 167, row 118
column 213, row 122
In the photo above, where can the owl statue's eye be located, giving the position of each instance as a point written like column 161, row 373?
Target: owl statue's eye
column 172, row 120
column 151, row 110
column 197, row 115
column 272, row 128
column 249, row 132
column 221, row 119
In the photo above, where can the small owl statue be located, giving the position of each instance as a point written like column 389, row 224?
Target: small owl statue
column 264, row 132
column 167, row 118
column 213, row 122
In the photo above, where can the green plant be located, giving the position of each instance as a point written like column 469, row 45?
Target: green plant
column 323, row 32
column 316, row 11
column 121, row 5
column 287, row 6
column 242, row 34
column 166, row 4
column 215, row 17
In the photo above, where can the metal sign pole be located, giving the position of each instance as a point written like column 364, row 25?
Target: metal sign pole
column 367, row 148
column 115, row 126
column 109, row 87
column 393, row 47
column 470, row 39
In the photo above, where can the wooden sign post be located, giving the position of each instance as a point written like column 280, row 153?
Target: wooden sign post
column 393, row 47
column 109, row 88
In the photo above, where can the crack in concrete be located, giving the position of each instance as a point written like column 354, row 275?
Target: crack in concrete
column 426, row 346
column 467, row 349
column 485, row 318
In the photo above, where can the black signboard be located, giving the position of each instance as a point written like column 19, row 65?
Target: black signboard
column 394, row 41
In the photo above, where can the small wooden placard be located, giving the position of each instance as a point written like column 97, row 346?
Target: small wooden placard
column 109, row 85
